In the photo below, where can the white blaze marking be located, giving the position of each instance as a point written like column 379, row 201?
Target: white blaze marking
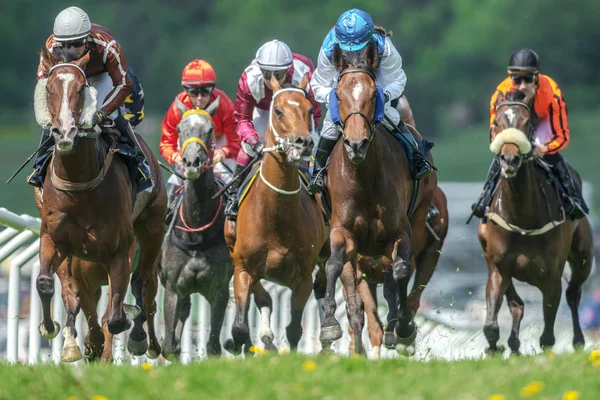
column 510, row 114
column 357, row 91
column 294, row 103
column 65, row 115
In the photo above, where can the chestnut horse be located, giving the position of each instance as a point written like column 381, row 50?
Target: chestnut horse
column 527, row 236
column 195, row 258
column 87, row 212
column 371, row 187
column 280, row 229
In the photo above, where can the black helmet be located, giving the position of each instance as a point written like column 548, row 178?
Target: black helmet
column 525, row 60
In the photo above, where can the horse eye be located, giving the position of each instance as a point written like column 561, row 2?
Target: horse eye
column 278, row 112
column 311, row 111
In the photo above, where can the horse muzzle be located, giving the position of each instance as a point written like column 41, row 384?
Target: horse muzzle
column 64, row 138
column 510, row 164
column 300, row 149
column 191, row 173
column 356, row 149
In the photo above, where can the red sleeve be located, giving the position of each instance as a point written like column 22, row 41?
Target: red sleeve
column 225, row 114
column 244, row 106
column 169, row 136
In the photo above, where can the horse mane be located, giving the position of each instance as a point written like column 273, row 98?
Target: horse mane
column 358, row 59
column 383, row 31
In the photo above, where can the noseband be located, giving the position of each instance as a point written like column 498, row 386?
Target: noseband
column 209, row 152
column 530, row 128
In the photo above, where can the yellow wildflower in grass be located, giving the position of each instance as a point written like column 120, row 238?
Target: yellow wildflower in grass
column 72, row 398
column 571, row 395
column 256, row 350
column 596, row 363
column 146, row 366
column 309, row 365
column 533, row 387
column 551, row 354
column 594, row 355
column 496, row 397
column 99, row 397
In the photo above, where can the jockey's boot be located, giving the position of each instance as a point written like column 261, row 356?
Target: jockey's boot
column 35, row 179
column 317, row 181
column 433, row 212
column 231, row 208
column 484, row 199
column 144, row 174
column 419, row 164
column 574, row 202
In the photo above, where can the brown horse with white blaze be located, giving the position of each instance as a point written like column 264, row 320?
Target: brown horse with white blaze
column 87, row 212
column 371, row 187
column 280, row 229
column 527, row 236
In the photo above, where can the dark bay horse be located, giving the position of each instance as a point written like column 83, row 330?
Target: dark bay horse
column 280, row 229
column 195, row 258
column 371, row 187
column 527, row 236
column 87, row 212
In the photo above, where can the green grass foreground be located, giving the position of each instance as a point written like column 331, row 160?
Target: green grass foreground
column 546, row 376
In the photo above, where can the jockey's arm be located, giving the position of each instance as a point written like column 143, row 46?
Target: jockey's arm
column 323, row 79
column 169, row 135
column 225, row 112
column 244, row 107
column 316, row 106
column 117, row 70
column 559, row 123
column 496, row 98
column 390, row 70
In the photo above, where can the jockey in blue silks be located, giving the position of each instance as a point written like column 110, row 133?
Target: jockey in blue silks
column 353, row 31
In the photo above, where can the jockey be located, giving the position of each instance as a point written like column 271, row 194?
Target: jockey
column 550, row 111
column 253, row 99
column 403, row 106
column 75, row 36
column 198, row 80
column 353, row 31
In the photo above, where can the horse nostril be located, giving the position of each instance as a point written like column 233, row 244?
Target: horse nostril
column 502, row 157
column 300, row 141
column 515, row 162
column 196, row 162
column 185, row 160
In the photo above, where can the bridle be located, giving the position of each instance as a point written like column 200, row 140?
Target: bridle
column 370, row 123
column 207, row 164
column 530, row 127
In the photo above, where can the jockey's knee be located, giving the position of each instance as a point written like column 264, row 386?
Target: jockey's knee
column 553, row 159
column 243, row 158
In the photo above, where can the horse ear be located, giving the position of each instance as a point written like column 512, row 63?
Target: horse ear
column 304, row 83
column 371, row 55
column 275, row 83
column 337, row 59
column 212, row 107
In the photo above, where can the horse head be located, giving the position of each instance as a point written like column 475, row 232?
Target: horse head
column 512, row 130
column 64, row 102
column 197, row 140
column 290, row 122
column 356, row 105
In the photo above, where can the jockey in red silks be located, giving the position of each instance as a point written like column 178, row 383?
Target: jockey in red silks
column 198, row 80
column 253, row 99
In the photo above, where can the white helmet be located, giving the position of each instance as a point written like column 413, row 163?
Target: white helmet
column 71, row 23
column 274, row 56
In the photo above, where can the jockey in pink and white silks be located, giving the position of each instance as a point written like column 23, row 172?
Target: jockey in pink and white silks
column 254, row 95
column 353, row 31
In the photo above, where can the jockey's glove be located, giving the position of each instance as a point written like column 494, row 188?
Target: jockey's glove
column 100, row 117
column 256, row 145
column 386, row 96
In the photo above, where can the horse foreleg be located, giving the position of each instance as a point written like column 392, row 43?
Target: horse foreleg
column 354, row 305
column 172, row 307
column 240, row 332
column 119, row 280
column 70, row 295
column 95, row 337
column 405, row 330
column 516, row 305
column 425, row 266
column 551, row 292
column 495, row 289
column 390, row 293
column 265, row 305
column 581, row 257
column 107, row 351
column 330, row 327
column 368, row 293
column 217, row 315
column 300, row 296
column 50, row 259
column 319, row 287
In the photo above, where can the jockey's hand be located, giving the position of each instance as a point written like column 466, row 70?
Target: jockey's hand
column 256, row 145
column 386, row 96
column 219, row 156
column 177, row 160
column 100, row 117
column 539, row 150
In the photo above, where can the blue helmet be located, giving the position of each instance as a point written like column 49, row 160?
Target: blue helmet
column 353, row 29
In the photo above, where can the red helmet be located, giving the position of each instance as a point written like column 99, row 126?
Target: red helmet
column 197, row 73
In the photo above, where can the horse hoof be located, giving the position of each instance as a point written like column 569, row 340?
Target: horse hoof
column 116, row 327
column 132, row 311
column 137, row 348
column 70, row 354
column 407, row 340
column 389, row 340
column 406, row 350
column 268, row 341
column 495, row 352
column 330, row 333
column 229, row 345
column 49, row 335
column 375, row 352
column 154, row 351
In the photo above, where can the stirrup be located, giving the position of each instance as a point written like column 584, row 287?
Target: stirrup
column 317, row 182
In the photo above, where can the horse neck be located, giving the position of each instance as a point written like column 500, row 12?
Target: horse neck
column 279, row 173
column 82, row 163
column 198, row 207
column 519, row 198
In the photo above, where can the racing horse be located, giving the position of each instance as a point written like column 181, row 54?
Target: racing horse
column 372, row 191
column 280, row 230
column 87, row 211
column 526, row 235
column 195, row 257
